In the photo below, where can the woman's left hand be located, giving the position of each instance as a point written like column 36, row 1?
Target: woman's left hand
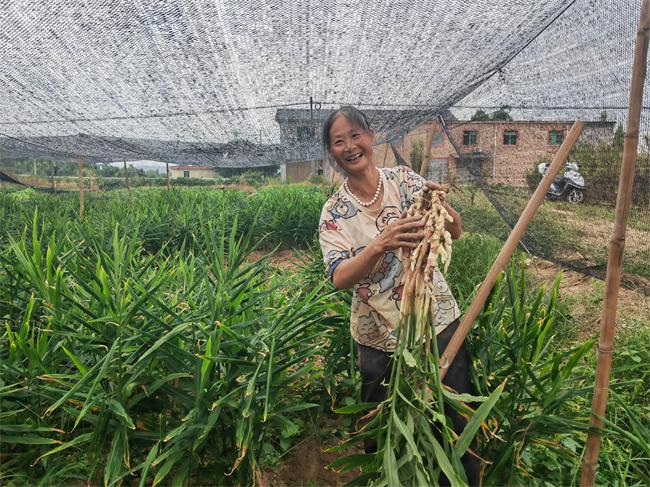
column 431, row 186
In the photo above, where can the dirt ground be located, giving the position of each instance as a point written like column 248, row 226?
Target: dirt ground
column 593, row 236
column 284, row 259
column 586, row 296
column 307, row 465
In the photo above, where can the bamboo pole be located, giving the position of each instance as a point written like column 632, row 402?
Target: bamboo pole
column 508, row 248
column 126, row 176
column 80, row 169
column 615, row 251
column 427, row 149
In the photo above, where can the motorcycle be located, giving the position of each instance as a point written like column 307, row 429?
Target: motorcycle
column 569, row 186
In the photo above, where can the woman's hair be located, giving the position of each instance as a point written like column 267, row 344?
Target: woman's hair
column 354, row 115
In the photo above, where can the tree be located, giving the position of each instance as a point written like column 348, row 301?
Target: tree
column 480, row 116
column 619, row 136
column 503, row 113
column 415, row 157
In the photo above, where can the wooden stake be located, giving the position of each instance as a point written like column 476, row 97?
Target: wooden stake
column 615, row 251
column 508, row 248
column 169, row 183
column 427, row 149
column 126, row 176
column 80, row 170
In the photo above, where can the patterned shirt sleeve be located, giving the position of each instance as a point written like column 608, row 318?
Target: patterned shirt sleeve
column 335, row 243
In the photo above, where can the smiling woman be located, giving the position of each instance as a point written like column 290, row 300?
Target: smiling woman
column 363, row 233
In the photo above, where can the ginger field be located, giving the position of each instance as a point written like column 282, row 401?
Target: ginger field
column 164, row 340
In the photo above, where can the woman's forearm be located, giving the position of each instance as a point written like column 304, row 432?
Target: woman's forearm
column 353, row 270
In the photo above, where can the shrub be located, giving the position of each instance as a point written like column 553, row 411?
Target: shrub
column 533, row 177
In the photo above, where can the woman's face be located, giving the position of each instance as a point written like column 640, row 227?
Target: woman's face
column 351, row 146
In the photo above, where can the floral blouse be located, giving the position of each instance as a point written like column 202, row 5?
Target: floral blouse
column 346, row 228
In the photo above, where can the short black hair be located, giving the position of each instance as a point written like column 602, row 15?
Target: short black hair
column 354, row 115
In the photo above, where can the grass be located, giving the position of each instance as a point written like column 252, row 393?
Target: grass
column 576, row 236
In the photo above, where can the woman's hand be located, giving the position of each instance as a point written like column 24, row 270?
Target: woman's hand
column 431, row 186
column 405, row 232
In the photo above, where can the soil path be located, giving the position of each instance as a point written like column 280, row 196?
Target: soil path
column 586, row 296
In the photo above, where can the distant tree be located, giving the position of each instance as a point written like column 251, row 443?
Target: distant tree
column 619, row 136
column 603, row 116
column 480, row 116
column 415, row 157
column 503, row 113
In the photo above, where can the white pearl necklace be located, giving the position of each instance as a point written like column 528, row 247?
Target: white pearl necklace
column 374, row 197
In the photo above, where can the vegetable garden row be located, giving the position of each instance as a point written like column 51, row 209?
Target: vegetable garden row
column 144, row 345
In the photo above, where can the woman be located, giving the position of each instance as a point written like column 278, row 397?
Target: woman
column 362, row 233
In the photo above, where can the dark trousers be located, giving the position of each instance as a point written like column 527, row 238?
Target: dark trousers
column 375, row 367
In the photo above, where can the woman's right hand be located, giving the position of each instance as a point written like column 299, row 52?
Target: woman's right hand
column 405, row 232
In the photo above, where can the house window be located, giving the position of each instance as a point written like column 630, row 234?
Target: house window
column 186, row 174
column 556, row 137
column 510, row 137
column 437, row 138
column 470, row 137
column 304, row 133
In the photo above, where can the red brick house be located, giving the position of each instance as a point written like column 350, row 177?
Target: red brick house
column 501, row 152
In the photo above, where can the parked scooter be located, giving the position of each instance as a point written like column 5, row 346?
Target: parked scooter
column 569, row 186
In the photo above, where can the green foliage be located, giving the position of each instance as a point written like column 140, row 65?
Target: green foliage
column 601, row 165
column 513, row 341
column 524, row 384
column 22, row 195
column 47, row 168
column 143, row 343
column 416, row 155
column 315, row 179
column 533, row 177
column 288, row 215
column 502, row 113
column 626, row 443
column 159, row 365
column 253, row 178
column 480, row 116
column 107, row 184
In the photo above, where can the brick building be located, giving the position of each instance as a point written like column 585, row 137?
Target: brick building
column 501, row 152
